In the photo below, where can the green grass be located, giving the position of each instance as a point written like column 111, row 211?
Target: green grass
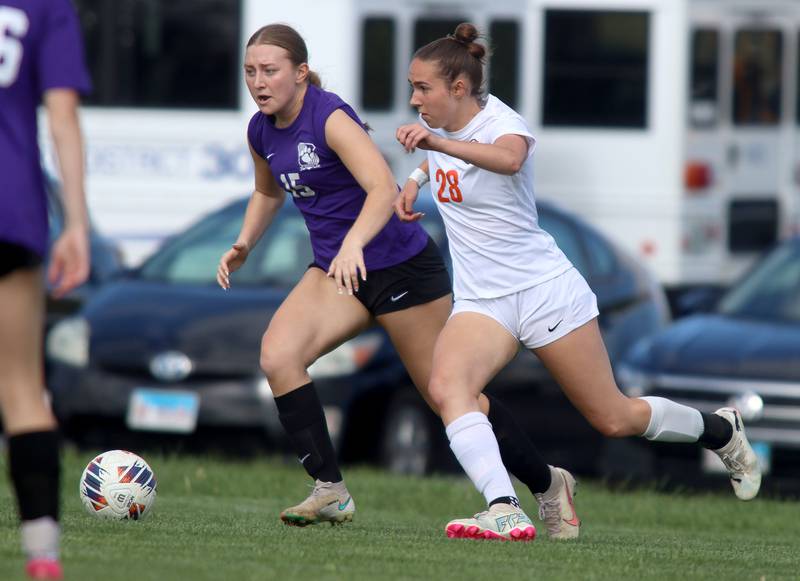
column 218, row 520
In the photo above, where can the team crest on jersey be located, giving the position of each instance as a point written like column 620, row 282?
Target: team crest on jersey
column 307, row 157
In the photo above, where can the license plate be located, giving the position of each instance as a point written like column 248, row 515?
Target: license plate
column 712, row 464
column 164, row 410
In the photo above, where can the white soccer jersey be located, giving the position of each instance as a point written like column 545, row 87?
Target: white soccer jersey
column 496, row 243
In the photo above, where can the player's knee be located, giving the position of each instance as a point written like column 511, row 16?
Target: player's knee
column 276, row 358
column 440, row 392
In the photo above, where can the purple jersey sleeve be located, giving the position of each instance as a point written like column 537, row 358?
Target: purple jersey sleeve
column 254, row 133
column 60, row 57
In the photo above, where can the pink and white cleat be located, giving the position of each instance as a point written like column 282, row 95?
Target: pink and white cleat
column 502, row 522
column 44, row 569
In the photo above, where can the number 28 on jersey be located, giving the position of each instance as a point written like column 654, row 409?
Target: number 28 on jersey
column 448, row 186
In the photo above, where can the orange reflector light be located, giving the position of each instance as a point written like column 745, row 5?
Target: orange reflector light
column 697, row 176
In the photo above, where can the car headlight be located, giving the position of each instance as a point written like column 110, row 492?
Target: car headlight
column 68, row 342
column 346, row 358
column 633, row 381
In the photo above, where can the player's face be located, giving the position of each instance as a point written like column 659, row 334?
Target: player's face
column 272, row 78
column 430, row 93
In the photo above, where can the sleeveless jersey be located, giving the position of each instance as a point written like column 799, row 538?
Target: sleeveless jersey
column 326, row 193
column 41, row 50
column 496, row 244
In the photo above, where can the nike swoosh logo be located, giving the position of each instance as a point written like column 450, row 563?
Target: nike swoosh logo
column 394, row 299
column 574, row 521
column 270, row 155
column 553, row 328
column 343, row 505
column 304, row 458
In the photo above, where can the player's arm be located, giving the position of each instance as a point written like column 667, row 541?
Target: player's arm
column 62, row 113
column 266, row 200
column 404, row 204
column 69, row 264
column 505, row 156
column 364, row 161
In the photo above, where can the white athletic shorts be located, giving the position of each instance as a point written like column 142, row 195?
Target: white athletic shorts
column 541, row 314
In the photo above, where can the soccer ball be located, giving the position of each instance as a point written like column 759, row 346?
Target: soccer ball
column 118, row 485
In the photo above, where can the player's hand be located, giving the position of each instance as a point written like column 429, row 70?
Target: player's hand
column 415, row 135
column 346, row 266
column 69, row 260
column 230, row 262
column 404, row 204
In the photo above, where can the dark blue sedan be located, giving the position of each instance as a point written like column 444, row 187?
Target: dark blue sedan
column 744, row 352
column 165, row 350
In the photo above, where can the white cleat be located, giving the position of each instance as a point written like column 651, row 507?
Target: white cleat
column 557, row 507
column 328, row 502
column 502, row 522
column 739, row 458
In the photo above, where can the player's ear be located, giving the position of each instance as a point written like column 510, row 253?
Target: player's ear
column 459, row 88
column 302, row 73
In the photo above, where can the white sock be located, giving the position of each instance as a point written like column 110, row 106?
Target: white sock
column 475, row 446
column 672, row 422
column 40, row 538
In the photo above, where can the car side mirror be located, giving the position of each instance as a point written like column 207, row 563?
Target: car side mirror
column 696, row 300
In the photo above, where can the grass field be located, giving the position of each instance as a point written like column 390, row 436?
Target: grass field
column 218, row 520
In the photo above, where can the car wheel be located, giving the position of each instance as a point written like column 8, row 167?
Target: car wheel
column 411, row 435
column 628, row 460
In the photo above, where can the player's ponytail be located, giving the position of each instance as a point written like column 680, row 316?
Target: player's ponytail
column 287, row 38
column 313, row 78
column 458, row 54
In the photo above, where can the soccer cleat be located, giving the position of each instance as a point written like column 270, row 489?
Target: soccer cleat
column 739, row 458
column 328, row 502
column 557, row 508
column 502, row 522
column 44, row 569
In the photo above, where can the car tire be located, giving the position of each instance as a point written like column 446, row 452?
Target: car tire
column 628, row 460
column 411, row 437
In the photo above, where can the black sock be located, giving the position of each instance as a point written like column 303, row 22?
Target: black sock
column 717, row 431
column 512, row 500
column 35, row 469
column 301, row 415
column 520, row 456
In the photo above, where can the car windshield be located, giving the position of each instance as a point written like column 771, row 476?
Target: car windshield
column 279, row 259
column 771, row 291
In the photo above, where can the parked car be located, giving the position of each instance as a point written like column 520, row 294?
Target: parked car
column 745, row 352
column 166, row 350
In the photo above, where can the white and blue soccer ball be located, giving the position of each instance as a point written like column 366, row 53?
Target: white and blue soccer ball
column 118, row 485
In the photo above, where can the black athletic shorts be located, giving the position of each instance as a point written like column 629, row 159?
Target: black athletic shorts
column 14, row 257
column 420, row 279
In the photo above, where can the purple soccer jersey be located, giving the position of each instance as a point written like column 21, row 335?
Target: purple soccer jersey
column 326, row 193
column 40, row 49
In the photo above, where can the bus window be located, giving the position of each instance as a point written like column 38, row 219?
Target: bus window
column 704, row 96
column 752, row 225
column 757, row 80
column 595, row 68
column 147, row 53
column 429, row 29
column 504, row 64
column 377, row 64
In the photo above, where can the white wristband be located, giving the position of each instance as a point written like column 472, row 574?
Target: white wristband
column 420, row 177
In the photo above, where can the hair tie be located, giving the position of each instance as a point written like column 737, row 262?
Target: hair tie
column 458, row 40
